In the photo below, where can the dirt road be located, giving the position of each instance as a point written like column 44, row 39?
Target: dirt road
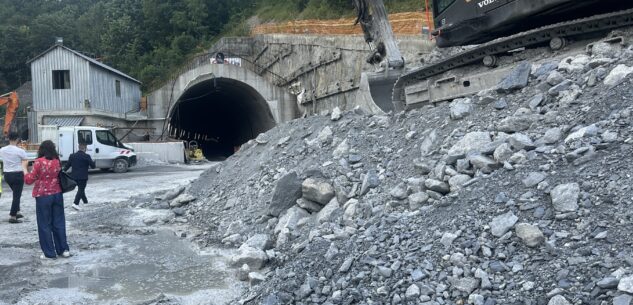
column 122, row 254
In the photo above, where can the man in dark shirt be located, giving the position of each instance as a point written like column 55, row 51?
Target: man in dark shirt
column 80, row 161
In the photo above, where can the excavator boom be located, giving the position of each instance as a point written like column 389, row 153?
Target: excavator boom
column 12, row 102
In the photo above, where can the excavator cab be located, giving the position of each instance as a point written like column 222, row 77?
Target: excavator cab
column 12, row 103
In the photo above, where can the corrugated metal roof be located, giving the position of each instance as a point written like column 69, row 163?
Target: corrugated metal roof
column 63, row 121
column 92, row 61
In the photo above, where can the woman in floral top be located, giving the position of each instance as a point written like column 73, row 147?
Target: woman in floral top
column 51, row 222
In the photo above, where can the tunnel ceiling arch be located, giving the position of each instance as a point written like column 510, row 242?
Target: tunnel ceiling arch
column 220, row 114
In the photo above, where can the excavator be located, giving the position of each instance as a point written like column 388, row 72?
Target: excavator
column 12, row 102
column 494, row 27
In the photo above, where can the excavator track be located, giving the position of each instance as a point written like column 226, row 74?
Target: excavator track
column 540, row 35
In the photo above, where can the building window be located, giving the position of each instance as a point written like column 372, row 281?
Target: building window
column 61, row 79
column 117, row 87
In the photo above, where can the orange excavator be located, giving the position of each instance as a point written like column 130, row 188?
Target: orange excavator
column 12, row 102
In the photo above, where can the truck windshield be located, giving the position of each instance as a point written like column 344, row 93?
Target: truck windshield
column 442, row 5
column 105, row 137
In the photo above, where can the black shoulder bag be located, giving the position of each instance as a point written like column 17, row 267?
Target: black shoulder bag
column 66, row 182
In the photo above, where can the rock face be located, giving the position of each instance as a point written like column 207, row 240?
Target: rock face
column 286, row 193
column 501, row 224
column 317, row 190
column 565, row 197
column 531, row 235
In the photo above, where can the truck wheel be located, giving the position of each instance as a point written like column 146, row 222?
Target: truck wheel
column 120, row 166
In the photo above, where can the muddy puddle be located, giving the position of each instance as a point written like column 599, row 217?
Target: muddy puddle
column 128, row 269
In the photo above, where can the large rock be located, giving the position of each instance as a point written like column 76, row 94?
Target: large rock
column 552, row 136
column 473, row 141
column 341, row 150
column 626, row 285
column 617, row 75
column 467, row 284
column 503, row 152
column 565, row 197
column 531, row 235
column 181, row 200
column 336, row 114
column 516, row 123
column 285, row 194
column 330, row 212
column 624, row 299
column 517, row 79
column 169, row 195
column 437, row 186
column 254, row 258
column 259, row 241
column 370, row 181
column 456, row 182
column 461, row 108
column 412, row 293
column 558, row 300
column 533, row 179
column 430, row 143
column 501, row 224
column 483, row 162
column 309, row 205
column 521, row 141
column 317, row 190
column 290, row 219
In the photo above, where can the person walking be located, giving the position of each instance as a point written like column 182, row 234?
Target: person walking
column 49, row 201
column 13, row 160
column 79, row 162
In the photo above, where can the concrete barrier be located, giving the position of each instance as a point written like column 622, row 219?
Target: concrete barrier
column 167, row 152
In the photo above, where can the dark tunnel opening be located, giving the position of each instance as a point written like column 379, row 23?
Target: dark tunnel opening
column 220, row 115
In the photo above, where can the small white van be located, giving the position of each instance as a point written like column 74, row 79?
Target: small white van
column 107, row 151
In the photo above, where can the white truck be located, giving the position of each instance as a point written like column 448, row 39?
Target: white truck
column 107, row 151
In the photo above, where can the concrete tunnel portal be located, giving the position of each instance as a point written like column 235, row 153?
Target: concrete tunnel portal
column 220, row 114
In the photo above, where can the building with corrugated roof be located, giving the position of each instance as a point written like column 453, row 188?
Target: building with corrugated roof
column 72, row 89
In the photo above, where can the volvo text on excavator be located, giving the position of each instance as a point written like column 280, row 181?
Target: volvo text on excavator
column 12, row 102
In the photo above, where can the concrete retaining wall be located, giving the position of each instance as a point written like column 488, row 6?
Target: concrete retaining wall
column 169, row 152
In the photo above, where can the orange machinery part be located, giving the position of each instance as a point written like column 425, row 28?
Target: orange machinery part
column 12, row 102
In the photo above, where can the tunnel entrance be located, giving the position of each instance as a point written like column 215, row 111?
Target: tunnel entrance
column 220, row 114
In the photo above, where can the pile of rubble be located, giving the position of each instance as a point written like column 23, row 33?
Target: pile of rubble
column 518, row 195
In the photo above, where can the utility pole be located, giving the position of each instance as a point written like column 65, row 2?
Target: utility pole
column 374, row 20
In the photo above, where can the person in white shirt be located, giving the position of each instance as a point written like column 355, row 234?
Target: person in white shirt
column 13, row 161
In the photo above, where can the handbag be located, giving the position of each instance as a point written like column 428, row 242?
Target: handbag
column 66, row 182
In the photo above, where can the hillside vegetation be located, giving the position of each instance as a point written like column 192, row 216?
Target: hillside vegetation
column 147, row 38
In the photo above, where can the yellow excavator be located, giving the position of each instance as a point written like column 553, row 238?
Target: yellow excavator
column 12, row 102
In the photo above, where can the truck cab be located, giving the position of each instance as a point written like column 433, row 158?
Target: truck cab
column 107, row 151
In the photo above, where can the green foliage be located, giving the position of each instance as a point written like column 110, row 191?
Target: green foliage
column 148, row 39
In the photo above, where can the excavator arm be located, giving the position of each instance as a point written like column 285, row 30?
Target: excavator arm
column 12, row 102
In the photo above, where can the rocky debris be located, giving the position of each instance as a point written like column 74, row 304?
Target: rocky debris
column 255, row 278
column 459, row 209
column 287, row 191
column 623, row 299
column 565, row 197
column 259, row 241
column 317, row 190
